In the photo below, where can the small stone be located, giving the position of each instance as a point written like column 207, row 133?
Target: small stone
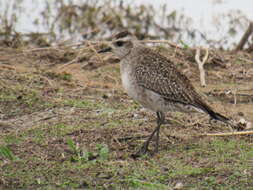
column 135, row 115
column 248, row 125
column 179, row 185
column 242, row 121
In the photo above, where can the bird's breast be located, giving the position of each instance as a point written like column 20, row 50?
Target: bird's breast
column 128, row 81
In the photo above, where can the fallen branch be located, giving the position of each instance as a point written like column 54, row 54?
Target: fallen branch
column 201, row 65
column 245, row 37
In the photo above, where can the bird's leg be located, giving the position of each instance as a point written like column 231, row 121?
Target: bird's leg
column 144, row 148
column 160, row 121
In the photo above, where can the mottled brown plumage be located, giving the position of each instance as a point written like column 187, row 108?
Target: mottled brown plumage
column 154, row 81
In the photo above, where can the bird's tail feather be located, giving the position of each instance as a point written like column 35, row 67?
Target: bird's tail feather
column 215, row 115
column 219, row 117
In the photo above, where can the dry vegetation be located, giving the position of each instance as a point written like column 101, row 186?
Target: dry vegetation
column 66, row 123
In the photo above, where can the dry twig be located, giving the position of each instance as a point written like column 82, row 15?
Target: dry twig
column 70, row 62
column 74, row 60
column 212, row 134
column 95, row 51
column 201, row 65
column 228, row 134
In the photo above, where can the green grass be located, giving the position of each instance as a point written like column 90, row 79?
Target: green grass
column 6, row 153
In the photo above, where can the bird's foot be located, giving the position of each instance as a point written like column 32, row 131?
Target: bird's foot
column 142, row 151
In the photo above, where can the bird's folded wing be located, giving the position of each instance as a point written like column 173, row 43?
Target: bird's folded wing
column 163, row 78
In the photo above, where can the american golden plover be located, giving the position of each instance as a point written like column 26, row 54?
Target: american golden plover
column 154, row 81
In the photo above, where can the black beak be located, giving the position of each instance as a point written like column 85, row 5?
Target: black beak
column 105, row 50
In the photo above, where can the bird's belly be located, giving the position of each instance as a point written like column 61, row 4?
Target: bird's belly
column 147, row 98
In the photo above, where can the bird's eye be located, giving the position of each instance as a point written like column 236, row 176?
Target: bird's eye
column 119, row 43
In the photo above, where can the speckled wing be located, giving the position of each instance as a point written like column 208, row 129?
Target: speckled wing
column 157, row 73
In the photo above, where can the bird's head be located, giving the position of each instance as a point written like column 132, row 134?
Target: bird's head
column 121, row 45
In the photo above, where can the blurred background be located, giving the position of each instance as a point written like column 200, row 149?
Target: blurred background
column 211, row 23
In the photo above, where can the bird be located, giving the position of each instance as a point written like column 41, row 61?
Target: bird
column 156, row 83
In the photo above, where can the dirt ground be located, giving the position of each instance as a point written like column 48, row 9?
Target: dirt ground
column 74, row 127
